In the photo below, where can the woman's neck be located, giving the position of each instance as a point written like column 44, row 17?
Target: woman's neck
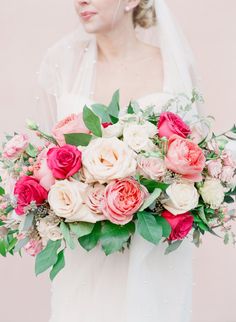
column 117, row 45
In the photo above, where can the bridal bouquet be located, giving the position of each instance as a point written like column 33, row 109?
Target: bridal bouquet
column 100, row 176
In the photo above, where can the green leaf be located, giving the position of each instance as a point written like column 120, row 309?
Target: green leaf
column 28, row 221
column 114, row 119
column 81, row 228
column 173, row 246
column 114, row 236
column 233, row 130
column 166, row 227
column 21, row 243
column 151, row 185
column 101, row 111
column 12, row 244
column 76, row 139
column 202, row 215
column 196, row 237
column 154, row 195
column 3, row 249
column 130, row 109
column 59, row 265
column 65, row 230
column 226, row 238
column 148, row 227
column 114, row 108
column 89, row 241
column 229, row 199
column 31, row 151
column 92, row 121
column 0, row 179
column 47, row 257
column 2, row 191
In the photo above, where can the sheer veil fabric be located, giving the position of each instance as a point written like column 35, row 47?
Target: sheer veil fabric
column 141, row 284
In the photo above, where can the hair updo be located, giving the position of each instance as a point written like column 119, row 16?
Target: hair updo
column 144, row 14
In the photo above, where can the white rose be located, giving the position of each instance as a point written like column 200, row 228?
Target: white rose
column 113, row 130
column 138, row 136
column 183, row 197
column 106, row 159
column 48, row 228
column 212, row 193
column 67, row 200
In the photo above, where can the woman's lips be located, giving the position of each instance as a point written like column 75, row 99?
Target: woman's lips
column 87, row 14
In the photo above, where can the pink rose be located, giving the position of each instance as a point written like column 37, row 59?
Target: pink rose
column 42, row 172
column 227, row 174
column 151, row 168
column 185, row 157
column 214, row 168
column 15, row 146
column 71, row 124
column 95, row 198
column 170, row 123
column 228, row 159
column 28, row 189
column 180, row 224
column 122, row 199
column 33, row 247
column 64, row 161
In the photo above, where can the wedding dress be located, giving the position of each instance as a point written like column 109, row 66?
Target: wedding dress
column 141, row 284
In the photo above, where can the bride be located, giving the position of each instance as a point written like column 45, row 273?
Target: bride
column 136, row 47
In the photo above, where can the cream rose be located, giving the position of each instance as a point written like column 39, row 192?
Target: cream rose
column 212, row 193
column 67, row 200
column 106, row 159
column 113, row 130
column 182, row 197
column 138, row 136
column 48, row 228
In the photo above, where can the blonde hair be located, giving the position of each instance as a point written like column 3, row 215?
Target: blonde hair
column 144, row 14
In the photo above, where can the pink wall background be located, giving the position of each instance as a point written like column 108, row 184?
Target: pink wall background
column 27, row 28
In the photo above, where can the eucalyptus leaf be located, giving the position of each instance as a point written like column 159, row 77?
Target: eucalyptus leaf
column 148, row 227
column 28, row 221
column 114, row 236
column 92, row 121
column 65, row 230
column 31, row 150
column 59, row 265
column 196, row 237
column 154, row 195
column 47, row 257
column 21, row 243
column 173, row 246
column 78, row 139
column 81, row 228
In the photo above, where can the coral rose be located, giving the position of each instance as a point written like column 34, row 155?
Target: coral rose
column 64, row 161
column 122, row 199
column 170, row 123
column 28, row 189
column 71, row 124
column 185, row 157
column 180, row 225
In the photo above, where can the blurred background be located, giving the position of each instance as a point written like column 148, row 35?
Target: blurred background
column 27, row 29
